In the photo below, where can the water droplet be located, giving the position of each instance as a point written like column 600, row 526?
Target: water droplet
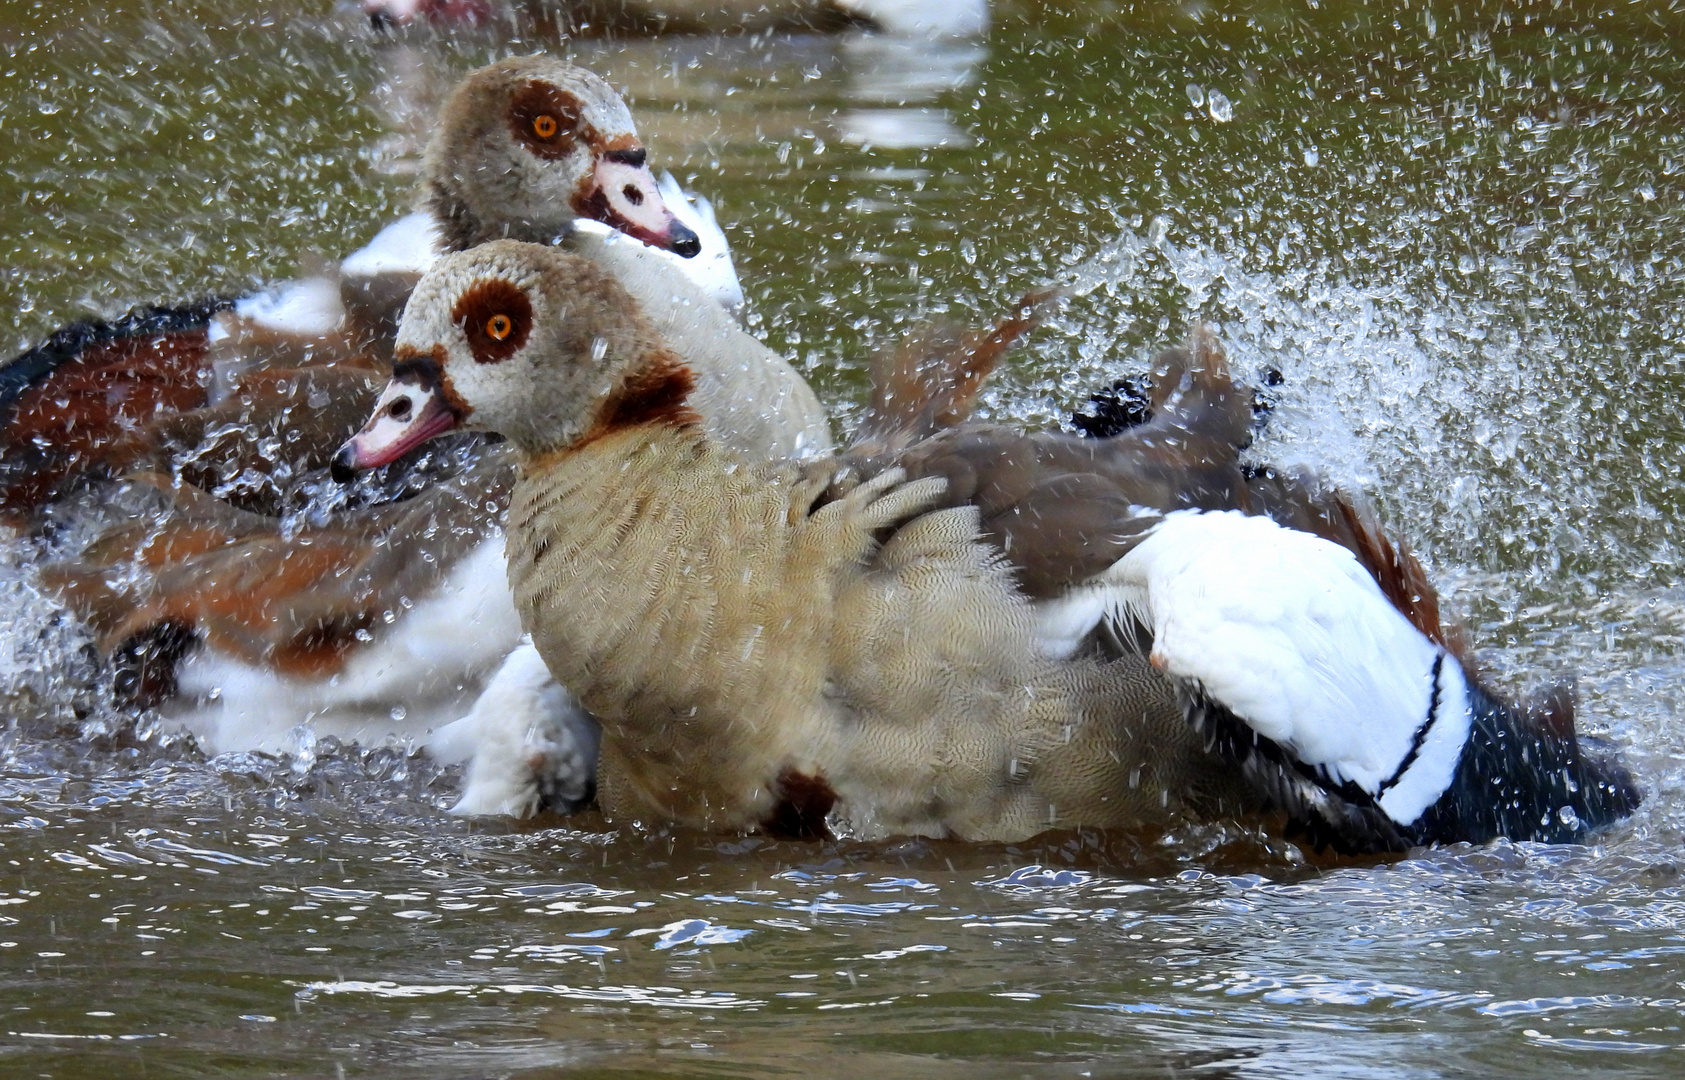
column 1311, row 156
column 1221, row 110
column 1196, row 94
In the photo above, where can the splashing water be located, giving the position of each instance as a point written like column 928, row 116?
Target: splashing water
column 45, row 663
column 1464, row 421
column 1481, row 432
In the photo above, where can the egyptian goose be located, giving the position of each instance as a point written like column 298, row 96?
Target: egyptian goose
column 385, row 619
column 982, row 635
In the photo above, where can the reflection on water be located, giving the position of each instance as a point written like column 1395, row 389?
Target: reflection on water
column 1458, row 240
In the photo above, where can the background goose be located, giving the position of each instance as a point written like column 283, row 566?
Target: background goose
column 967, row 638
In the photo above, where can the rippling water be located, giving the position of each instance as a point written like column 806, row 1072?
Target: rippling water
column 1459, row 236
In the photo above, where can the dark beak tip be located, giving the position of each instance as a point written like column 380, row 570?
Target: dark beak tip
column 685, row 244
column 343, row 468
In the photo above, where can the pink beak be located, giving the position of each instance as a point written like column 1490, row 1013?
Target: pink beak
column 411, row 410
column 624, row 196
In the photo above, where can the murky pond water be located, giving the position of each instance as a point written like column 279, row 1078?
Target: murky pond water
column 1460, row 235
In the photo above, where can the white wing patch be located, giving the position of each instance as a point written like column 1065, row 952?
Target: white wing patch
column 414, row 677
column 407, row 246
column 309, row 307
column 1290, row 633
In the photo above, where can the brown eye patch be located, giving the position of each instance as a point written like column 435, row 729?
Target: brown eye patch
column 496, row 318
column 544, row 119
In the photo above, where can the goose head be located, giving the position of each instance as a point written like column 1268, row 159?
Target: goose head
column 526, row 146
column 542, row 347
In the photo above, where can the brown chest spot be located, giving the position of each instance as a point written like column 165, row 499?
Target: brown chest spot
column 659, row 394
column 804, row 802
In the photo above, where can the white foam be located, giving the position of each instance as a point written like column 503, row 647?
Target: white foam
column 41, row 648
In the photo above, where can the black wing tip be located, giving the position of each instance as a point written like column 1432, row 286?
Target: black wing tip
column 1523, row 775
column 1127, row 404
column 1527, row 774
column 1320, row 813
column 143, row 668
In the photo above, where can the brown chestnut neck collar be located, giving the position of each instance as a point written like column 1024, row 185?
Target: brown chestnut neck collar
column 655, row 397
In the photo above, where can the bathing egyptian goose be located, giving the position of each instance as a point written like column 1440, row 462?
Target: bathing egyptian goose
column 981, row 636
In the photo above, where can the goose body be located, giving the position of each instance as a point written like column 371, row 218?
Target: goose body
column 864, row 641
column 852, row 695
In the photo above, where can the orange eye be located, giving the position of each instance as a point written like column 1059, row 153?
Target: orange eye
column 499, row 327
column 544, row 126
